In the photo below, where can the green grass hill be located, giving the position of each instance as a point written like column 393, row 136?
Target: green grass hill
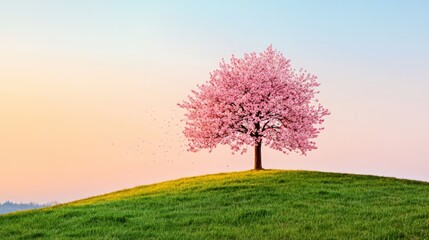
column 267, row 204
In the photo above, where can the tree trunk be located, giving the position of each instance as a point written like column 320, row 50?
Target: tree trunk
column 258, row 156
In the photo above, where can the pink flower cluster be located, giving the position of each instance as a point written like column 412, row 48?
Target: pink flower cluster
column 255, row 99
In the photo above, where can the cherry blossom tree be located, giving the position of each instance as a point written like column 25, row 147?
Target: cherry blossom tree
column 255, row 100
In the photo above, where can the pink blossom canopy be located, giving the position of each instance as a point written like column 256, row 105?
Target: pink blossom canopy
column 252, row 100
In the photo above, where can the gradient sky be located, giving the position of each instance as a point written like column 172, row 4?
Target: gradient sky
column 88, row 89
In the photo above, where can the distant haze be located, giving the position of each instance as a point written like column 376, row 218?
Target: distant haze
column 88, row 89
column 8, row 207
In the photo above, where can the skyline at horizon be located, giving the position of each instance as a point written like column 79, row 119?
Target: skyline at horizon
column 88, row 90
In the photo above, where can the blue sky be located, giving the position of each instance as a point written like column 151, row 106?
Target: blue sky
column 77, row 76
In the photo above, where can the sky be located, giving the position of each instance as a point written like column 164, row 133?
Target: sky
column 89, row 89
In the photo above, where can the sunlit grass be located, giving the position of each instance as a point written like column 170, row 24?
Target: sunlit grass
column 244, row 205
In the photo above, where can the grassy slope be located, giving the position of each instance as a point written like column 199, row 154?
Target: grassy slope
column 243, row 205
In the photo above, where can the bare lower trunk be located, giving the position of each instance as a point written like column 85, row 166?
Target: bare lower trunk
column 258, row 157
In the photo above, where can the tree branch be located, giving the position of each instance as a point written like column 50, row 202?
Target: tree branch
column 263, row 128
